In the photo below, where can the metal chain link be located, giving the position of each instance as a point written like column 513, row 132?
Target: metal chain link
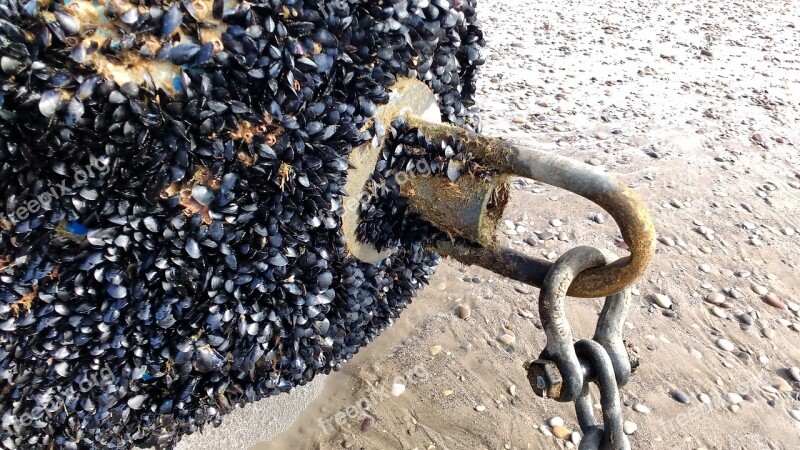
column 564, row 369
column 611, row 435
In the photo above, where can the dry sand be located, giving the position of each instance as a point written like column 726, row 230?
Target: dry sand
column 695, row 104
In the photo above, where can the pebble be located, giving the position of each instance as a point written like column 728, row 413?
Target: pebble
column 681, row 397
column 575, row 438
column 594, row 162
column 746, row 319
column 795, row 373
column 772, row 300
column 662, row 301
column 522, row 289
column 715, row 298
column 629, row 427
column 781, row 384
column 447, row 393
column 556, row 421
column 556, row 222
column 668, row 241
column 768, row 333
column 480, row 408
column 734, row 408
column 561, row 432
column 601, row 136
column 546, row 430
column 463, row 311
column 527, row 314
column 545, row 235
column 398, row 389
column 704, row 398
column 726, row 345
column 367, row 423
column 466, row 346
column 641, row 408
column 758, row 289
column 598, row 218
column 795, row 413
column 507, row 339
column 704, row 268
column 435, row 350
column 719, row 312
column 734, row 398
column 512, row 390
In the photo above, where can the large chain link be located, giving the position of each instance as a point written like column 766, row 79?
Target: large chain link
column 565, row 368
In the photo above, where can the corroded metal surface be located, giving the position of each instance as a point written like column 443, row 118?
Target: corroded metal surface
column 408, row 96
column 611, row 194
column 468, row 208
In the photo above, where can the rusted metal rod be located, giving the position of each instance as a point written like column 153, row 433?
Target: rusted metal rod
column 611, row 194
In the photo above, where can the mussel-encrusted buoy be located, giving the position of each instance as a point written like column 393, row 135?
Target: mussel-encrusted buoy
column 172, row 175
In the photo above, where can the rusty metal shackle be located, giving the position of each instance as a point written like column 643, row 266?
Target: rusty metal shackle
column 565, row 368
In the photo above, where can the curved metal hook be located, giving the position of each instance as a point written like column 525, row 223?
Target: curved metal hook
column 611, row 194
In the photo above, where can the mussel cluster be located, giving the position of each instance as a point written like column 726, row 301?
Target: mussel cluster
column 386, row 218
column 172, row 175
